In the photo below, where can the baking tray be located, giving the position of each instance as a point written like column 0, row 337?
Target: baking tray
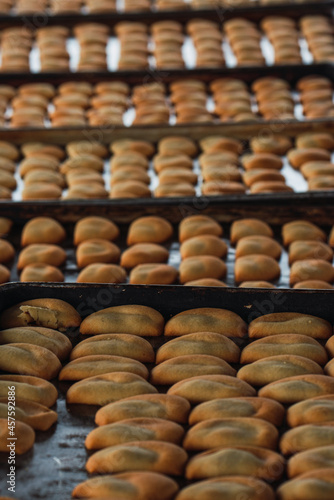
column 188, row 49
column 71, row 271
column 108, row 133
column 56, row 464
column 255, row 12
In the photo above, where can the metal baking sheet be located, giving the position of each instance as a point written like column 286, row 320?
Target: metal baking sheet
column 251, row 9
column 107, row 133
column 56, row 463
column 188, row 53
column 71, row 271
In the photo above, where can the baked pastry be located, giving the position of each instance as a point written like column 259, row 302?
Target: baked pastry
column 41, row 191
column 313, row 484
column 311, row 411
column 261, row 160
column 316, row 458
column 29, row 359
column 220, row 143
column 267, row 370
column 48, row 313
column 307, row 437
column 177, row 145
column 144, row 253
column 191, row 365
column 116, row 344
column 52, row 340
column 297, row 156
column 255, row 407
column 123, row 145
column 301, row 230
column 298, row 388
column 206, row 319
column 24, row 434
column 239, row 461
column 153, row 274
column 31, row 388
column 213, row 344
column 42, row 253
column 149, row 229
column 95, row 227
column 39, row 417
column 134, row 429
column 141, row 485
column 108, row 387
column 207, row 387
column 9, row 150
column 79, row 148
column 249, row 227
column 98, row 364
column 202, row 266
column 153, row 456
column 134, row 319
column 262, row 175
column 256, row 267
column 7, row 251
column 259, row 245
column 313, row 284
column 274, row 144
column 311, row 269
column 289, row 322
column 41, row 273
column 301, row 250
column 5, row 226
column 42, row 230
column 164, row 406
column 289, row 343
column 206, row 282
column 97, row 251
column 256, row 284
column 315, row 140
column 197, row 225
column 102, row 273
column 225, row 432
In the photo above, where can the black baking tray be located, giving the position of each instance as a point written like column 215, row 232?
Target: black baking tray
column 56, row 463
column 107, row 134
column 71, row 271
column 254, row 12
